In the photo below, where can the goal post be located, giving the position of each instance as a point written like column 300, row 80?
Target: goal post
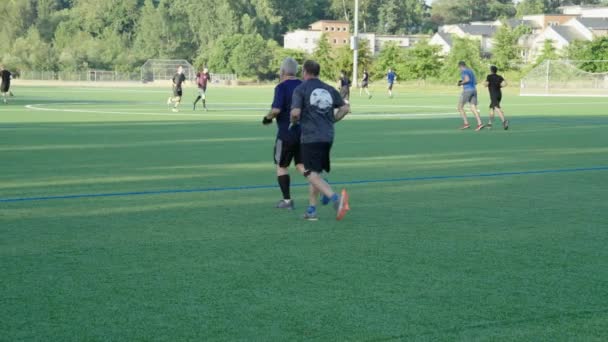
column 567, row 78
column 164, row 69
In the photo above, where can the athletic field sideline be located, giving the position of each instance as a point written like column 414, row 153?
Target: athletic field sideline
column 120, row 220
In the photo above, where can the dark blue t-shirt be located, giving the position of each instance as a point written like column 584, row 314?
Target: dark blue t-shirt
column 283, row 93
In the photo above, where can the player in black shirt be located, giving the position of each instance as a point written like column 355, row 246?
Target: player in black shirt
column 495, row 83
column 365, row 84
column 344, row 85
column 178, row 79
column 5, row 86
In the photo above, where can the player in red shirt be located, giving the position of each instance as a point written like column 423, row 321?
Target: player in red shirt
column 202, row 78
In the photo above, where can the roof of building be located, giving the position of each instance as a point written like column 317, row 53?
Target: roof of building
column 595, row 23
column 446, row 37
column 478, row 30
column 331, row 22
column 570, row 34
column 520, row 22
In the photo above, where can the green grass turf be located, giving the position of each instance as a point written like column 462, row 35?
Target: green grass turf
column 519, row 257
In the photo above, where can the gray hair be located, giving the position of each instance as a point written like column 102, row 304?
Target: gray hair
column 289, row 66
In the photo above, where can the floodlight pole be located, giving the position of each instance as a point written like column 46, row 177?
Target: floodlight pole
column 356, row 45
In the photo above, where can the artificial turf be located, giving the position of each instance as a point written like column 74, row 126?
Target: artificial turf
column 122, row 221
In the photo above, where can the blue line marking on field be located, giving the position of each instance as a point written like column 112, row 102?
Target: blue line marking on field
column 264, row 187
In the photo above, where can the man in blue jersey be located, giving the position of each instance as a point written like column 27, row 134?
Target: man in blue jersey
column 317, row 106
column 469, row 95
column 287, row 145
column 391, row 77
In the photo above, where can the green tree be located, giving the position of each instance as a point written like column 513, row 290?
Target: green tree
column 549, row 52
column 527, row 7
column 463, row 49
column 505, row 53
column 590, row 52
column 391, row 56
column 464, row 11
column 324, row 56
column 251, row 57
column 32, row 53
column 422, row 61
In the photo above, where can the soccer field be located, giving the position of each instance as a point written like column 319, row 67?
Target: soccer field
column 122, row 221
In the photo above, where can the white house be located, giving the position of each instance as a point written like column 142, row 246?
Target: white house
column 483, row 32
column 560, row 36
column 586, row 11
column 443, row 40
column 378, row 41
column 306, row 40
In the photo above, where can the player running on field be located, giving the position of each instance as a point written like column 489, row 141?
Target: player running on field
column 365, row 84
column 287, row 144
column 391, row 77
column 344, row 85
column 317, row 106
column 495, row 83
column 5, row 86
column 469, row 95
column 202, row 78
column 178, row 79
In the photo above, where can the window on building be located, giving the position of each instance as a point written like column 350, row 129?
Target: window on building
column 344, row 29
column 333, row 28
column 345, row 41
column 326, row 28
column 335, row 41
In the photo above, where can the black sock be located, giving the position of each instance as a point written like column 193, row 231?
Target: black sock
column 284, row 183
column 198, row 98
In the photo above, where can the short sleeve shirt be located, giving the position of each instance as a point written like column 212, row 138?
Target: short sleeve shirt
column 472, row 80
column 317, row 100
column 283, row 94
column 494, row 83
column 178, row 79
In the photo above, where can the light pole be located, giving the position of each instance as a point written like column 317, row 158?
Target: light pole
column 355, row 43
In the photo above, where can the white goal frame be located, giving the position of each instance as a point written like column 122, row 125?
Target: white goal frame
column 563, row 78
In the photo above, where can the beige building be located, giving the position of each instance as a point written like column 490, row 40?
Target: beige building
column 338, row 34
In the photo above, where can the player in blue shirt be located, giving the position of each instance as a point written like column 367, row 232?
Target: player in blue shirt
column 391, row 77
column 469, row 95
column 287, row 145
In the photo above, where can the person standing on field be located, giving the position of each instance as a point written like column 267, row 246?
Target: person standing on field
column 495, row 83
column 317, row 107
column 468, row 82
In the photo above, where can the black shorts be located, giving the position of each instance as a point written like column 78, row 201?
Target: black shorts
column 495, row 100
column 390, row 86
column 345, row 92
column 316, row 157
column 285, row 153
column 5, row 87
column 364, row 84
column 177, row 92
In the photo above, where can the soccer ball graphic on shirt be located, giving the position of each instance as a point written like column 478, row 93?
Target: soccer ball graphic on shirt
column 321, row 99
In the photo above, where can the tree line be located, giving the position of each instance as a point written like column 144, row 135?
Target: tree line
column 238, row 36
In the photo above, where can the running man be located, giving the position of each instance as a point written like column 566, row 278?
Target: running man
column 365, row 84
column 469, row 95
column 287, row 144
column 317, row 106
column 202, row 78
column 5, row 86
column 391, row 77
column 178, row 79
column 344, row 85
column 495, row 83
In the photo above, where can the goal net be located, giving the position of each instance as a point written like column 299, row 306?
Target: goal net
column 164, row 69
column 567, row 78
